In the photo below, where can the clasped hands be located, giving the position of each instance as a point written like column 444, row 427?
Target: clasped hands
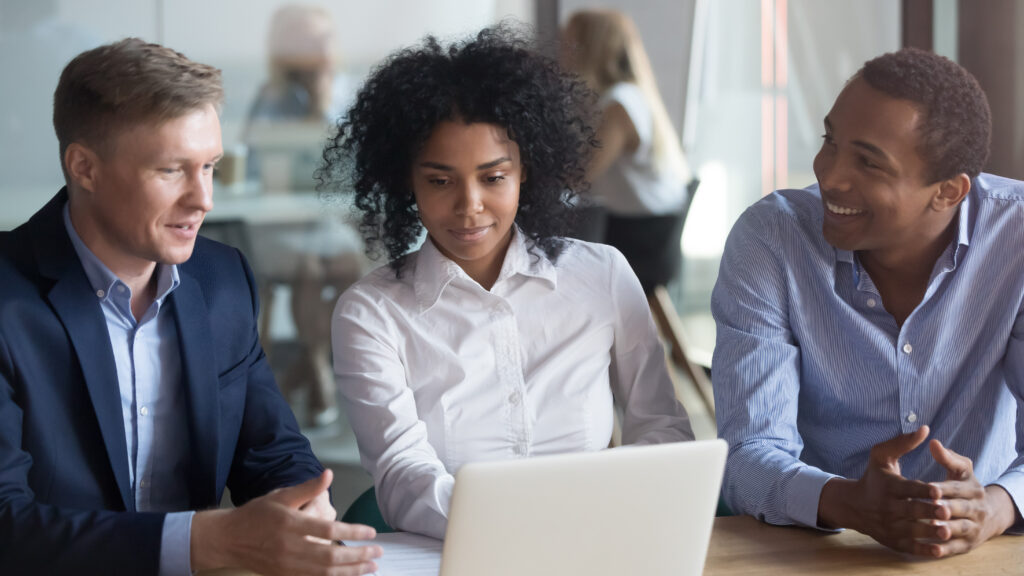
column 935, row 519
column 288, row 531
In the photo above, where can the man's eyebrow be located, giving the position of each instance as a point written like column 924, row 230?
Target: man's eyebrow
column 185, row 160
column 863, row 145
column 874, row 150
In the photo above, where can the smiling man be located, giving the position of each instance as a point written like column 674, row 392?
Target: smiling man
column 869, row 369
column 133, row 388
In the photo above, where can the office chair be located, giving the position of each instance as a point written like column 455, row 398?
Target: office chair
column 365, row 511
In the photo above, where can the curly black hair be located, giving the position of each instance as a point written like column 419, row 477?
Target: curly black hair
column 956, row 126
column 497, row 77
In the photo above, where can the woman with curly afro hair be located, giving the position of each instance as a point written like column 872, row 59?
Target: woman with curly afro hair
column 498, row 338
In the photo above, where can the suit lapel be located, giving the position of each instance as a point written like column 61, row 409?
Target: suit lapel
column 76, row 306
column 201, row 389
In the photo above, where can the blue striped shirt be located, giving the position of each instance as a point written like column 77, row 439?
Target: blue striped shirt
column 810, row 371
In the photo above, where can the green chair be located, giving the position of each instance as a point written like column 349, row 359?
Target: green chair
column 723, row 509
column 365, row 511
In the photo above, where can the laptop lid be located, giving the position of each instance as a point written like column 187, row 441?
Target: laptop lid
column 630, row 510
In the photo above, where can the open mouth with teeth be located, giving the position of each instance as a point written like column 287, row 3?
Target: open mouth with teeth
column 842, row 210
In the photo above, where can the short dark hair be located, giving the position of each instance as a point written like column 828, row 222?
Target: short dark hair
column 497, row 77
column 108, row 88
column 956, row 124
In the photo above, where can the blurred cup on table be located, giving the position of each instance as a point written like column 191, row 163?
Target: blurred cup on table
column 231, row 168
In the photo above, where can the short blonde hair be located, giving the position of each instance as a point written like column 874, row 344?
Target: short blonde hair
column 106, row 89
column 607, row 50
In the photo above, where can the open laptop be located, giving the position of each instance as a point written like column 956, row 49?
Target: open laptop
column 645, row 510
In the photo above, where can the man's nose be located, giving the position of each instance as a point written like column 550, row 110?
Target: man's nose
column 832, row 173
column 200, row 191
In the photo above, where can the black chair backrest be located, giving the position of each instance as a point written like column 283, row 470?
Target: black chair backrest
column 234, row 233
column 651, row 243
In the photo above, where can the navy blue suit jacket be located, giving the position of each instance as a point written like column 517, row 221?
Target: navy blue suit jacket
column 66, row 505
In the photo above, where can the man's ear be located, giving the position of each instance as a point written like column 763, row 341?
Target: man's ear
column 82, row 165
column 950, row 192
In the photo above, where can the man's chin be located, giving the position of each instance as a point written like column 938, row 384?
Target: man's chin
column 838, row 241
column 177, row 256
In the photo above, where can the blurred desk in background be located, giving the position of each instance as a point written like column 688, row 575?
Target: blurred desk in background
column 237, row 202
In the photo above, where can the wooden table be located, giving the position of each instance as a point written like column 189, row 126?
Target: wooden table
column 742, row 545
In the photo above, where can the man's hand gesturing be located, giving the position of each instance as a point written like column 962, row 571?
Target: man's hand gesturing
column 288, row 531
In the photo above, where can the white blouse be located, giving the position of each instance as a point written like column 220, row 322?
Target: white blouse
column 633, row 184
column 435, row 371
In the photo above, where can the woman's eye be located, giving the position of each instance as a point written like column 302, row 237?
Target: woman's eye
column 495, row 179
column 438, row 181
column 828, row 139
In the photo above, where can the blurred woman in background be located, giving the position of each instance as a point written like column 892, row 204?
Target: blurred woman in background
column 639, row 173
column 302, row 56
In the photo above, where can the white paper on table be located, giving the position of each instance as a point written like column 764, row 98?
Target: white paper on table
column 405, row 554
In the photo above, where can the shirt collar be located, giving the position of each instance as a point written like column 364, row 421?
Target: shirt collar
column 434, row 271
column 964, row 223
column 103, row 280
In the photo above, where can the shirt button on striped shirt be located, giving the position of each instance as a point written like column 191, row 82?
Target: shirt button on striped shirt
column 871, row 302
column 912, row 417
column 907, row 348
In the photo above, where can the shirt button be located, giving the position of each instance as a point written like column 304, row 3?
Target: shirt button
column 120, row 288
column 907, row 348
column 871, row 302
column 513, row 398
column 912, row 417
column 101, row 293
column 519, row 449
column 144, row 483
column 144, row 410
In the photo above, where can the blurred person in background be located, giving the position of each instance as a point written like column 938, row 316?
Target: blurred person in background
column 285, row 129
column 639, row 173
column 302, row 53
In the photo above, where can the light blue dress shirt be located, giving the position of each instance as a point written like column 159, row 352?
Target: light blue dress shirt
column 810, row 371
column 152, row 400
